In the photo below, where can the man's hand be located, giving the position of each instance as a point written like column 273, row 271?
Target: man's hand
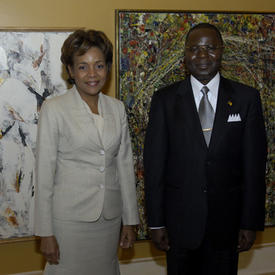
column 246, row 239
column 127, row 236
column 160, row 239
column 50, row 249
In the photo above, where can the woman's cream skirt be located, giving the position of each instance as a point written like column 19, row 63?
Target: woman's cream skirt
column 86, row 248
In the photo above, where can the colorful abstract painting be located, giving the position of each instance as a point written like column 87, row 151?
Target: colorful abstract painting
column 150, row 47
column 30, row 71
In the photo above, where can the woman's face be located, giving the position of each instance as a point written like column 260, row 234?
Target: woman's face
column 89, row 72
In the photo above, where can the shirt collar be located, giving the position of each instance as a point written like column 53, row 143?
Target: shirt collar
column 212, row 85
column 86, row 107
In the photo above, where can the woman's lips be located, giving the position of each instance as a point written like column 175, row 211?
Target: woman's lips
column 92, row 83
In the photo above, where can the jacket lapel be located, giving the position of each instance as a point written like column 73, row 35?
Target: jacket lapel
column 187, row 112
column 186, row 107
column 225, row 95
column 83, row 119
column 109, row 130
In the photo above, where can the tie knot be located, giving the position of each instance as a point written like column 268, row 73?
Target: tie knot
column 204, row 90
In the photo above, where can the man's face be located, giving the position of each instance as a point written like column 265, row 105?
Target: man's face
column 203, row 54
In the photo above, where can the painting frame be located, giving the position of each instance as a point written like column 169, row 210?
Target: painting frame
column 142, row 36
column 35, row 51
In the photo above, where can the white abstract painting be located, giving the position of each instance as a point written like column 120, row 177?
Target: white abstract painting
column 30, row 71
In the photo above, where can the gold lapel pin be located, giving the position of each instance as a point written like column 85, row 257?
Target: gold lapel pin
column 229, row 103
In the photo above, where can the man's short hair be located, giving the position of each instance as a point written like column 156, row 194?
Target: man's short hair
column 204, row 26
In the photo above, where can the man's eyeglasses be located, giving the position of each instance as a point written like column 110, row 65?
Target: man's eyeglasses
column 207, row 48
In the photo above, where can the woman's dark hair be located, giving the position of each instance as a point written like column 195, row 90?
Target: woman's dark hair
column 80, row 41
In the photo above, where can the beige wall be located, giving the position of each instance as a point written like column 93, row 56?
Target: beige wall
column 23, row 256
column 101, row 14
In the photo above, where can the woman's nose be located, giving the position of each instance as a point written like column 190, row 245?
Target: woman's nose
column 91, row 71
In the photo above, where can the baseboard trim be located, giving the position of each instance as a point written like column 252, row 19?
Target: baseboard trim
column 37, row 272
column 257, row 261
column 143, row 260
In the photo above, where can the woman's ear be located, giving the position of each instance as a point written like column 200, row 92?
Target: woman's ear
column 70, row 71
column 109, row 67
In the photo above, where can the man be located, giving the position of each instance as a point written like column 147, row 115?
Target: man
column 204, row 160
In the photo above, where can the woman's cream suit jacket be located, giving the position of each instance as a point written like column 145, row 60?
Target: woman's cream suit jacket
column 80, row 175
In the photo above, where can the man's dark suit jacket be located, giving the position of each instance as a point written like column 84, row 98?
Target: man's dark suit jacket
column 192, row 189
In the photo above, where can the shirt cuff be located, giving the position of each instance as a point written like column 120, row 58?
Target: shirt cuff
column 158, row 227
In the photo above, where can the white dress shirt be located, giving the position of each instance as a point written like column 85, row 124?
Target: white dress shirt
column 212, row 85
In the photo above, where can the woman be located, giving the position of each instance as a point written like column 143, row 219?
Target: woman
column 85, row 178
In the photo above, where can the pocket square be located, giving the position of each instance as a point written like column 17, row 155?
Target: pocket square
column 234, row 118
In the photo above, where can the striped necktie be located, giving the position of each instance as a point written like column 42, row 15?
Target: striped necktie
column 206, row 114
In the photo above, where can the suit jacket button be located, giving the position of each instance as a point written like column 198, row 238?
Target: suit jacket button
column 102, row 152
column 101, row 169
